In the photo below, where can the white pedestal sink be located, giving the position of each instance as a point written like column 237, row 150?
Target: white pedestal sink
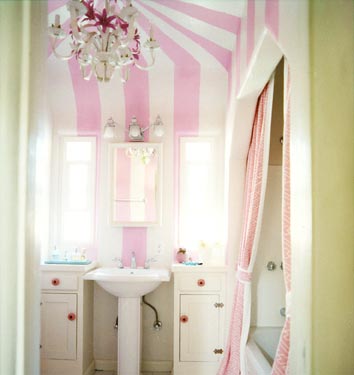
column 129, row 285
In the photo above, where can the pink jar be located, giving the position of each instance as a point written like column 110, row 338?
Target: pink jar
column 181, row 255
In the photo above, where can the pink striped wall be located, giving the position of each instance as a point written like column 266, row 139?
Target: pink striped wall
column 55, row 4
column 136, row 92
column 187, row 79
column 186, row 97
column 272, row 16
column 216, row 18
column 251, row 8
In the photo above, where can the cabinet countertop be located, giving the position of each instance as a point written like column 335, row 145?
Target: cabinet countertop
column 68, row 267
column 202, row 268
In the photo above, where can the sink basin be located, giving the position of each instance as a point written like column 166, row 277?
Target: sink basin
column 128, row 282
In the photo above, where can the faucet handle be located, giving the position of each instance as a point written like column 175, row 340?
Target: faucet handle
column 119, row 262
column 150, row 260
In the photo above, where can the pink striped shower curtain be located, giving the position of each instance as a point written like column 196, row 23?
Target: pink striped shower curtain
column 256, row 177
column 281, row 361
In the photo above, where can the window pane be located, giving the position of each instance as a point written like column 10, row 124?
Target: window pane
column 198, row 151
column 78, row 186
column 77, row 191
column 78, row 151
column 76, row 226
column 197, row 200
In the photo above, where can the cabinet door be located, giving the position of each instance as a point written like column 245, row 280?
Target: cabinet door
column 58, row 326
column 200, row 328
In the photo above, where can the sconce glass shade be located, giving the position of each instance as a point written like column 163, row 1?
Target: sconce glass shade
column 109, row 129
column 158, row 127
column 135, row 131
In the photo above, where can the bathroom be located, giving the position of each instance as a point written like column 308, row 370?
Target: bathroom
column 215, row 59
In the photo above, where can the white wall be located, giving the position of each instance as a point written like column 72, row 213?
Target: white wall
column 24, row 181
column 292, row 41
column 268, row 290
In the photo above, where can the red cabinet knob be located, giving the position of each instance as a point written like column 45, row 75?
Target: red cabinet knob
column 71, row 316
column 55, row 282
column 183, row 318
column 201, row 282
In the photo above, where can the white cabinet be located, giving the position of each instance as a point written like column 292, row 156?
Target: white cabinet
column 58, row 326
column 66, row 320
column 199, row 316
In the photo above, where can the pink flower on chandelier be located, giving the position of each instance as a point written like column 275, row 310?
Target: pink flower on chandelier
column 105, row 21
column 123, row 25
column 90, row 13
column 136, row 50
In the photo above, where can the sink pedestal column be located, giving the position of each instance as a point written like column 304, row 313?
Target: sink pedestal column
column 129, row 336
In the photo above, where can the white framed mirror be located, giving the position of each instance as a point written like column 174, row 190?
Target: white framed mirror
column 135, row 184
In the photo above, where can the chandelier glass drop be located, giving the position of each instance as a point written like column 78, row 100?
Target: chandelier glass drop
column 103, row 40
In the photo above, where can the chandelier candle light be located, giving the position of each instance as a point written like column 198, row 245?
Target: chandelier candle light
column 103, row 40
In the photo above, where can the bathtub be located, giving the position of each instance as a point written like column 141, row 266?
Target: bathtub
column 260, row 350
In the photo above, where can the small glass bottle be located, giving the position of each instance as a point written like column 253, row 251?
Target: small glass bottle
column 55, row 254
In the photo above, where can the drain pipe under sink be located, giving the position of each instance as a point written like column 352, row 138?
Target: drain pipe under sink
column 157, row 323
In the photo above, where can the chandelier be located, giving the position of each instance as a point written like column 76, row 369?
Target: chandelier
column 103, row 40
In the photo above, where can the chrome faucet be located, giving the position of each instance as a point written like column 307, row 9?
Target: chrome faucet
column 133, row 260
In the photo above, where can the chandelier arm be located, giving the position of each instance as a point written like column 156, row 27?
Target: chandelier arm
column 147, row 67
column 85, row 76
column 125, row 70
column 53, row 45
column 96, row 72
column 105, row 38
column 74, row 25
column 145, row 129
column 96, row 44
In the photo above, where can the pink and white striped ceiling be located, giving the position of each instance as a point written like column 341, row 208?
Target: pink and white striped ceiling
column 192, row 70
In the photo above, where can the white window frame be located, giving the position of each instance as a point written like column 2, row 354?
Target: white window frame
column 59, row 207
column 214, row 203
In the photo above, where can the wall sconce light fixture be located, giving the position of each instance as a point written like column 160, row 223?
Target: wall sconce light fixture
column 109, row 128
column 135, row 131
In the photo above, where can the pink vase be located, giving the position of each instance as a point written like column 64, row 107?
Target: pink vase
column 181, row 257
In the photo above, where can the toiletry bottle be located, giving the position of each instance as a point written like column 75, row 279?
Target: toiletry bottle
column 83, row 254
column 76, row 255
column 55, row 254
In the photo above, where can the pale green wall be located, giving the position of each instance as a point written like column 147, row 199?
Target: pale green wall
column 331, row 51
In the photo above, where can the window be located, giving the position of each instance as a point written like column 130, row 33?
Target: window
column 199, row 196
column 76, row 191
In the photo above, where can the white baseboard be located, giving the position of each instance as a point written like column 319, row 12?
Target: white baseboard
column 91, row 369
column 156, row 366
column 146, row 366
column 105, row 365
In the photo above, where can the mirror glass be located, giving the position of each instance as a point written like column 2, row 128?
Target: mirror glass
column 136, row 184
